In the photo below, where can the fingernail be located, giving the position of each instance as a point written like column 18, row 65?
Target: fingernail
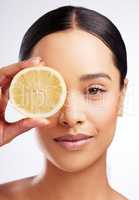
column 35, row 60
column 42, row 63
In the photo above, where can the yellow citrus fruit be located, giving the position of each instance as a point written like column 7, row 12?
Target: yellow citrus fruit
column 38, row 91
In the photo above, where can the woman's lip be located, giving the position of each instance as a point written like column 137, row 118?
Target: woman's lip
column 75, row 145
column 75, row 137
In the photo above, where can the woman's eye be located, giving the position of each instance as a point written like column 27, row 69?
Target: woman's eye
column 95, row 92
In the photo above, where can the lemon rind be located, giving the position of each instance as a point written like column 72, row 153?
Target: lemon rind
column 56, row 108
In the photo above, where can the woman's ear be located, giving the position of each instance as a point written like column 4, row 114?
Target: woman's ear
column 122, row 97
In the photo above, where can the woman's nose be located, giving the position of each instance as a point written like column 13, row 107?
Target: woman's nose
column 72, row 113
column 71, row 119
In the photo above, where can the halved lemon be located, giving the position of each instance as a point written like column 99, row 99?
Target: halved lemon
column 38, row 91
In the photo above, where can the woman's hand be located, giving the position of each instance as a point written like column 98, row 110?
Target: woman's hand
column 9, row 131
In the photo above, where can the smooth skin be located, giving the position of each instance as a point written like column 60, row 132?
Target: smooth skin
column 95, row 102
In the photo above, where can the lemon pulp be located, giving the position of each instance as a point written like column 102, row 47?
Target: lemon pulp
column 37, row 91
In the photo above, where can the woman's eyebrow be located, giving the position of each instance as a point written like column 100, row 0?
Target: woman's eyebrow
column 94, row 76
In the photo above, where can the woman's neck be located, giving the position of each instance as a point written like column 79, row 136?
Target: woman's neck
column 90, row 183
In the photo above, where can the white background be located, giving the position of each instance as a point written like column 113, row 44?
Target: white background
column 22, row 157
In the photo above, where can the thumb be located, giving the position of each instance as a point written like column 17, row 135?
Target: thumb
column 16, row 128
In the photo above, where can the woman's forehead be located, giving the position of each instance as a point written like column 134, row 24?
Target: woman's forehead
column 73, row 44
column 75, row 51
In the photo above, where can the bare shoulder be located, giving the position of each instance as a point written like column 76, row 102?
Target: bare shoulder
column 118, row 196
column 9, row 190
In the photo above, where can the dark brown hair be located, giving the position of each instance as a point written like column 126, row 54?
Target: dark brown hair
column 70, row 17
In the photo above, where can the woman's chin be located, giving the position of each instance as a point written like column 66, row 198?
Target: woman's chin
column 72, row 160
column 68, row 164
column 69, row 167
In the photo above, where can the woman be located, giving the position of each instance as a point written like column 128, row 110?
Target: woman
column 89, row 52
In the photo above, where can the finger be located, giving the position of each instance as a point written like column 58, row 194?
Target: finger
column 7, row 73
column 0, row 92
column 4, row 96
column 11, row 130
column 3, row 103
column 7, row 81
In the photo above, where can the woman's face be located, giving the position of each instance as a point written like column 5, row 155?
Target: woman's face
column 94, row 100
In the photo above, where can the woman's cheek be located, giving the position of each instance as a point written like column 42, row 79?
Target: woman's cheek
column 104, row 116
column 104, row 107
